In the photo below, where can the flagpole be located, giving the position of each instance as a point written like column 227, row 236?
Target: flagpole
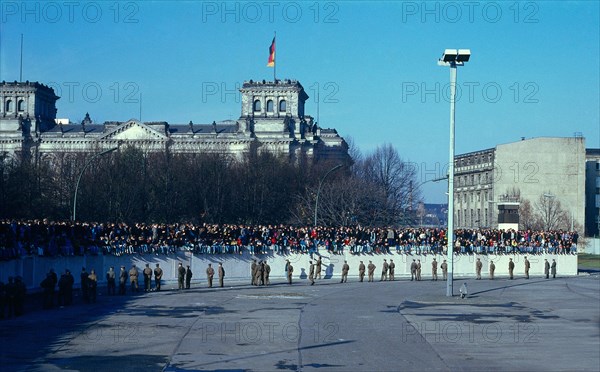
column 275, row 60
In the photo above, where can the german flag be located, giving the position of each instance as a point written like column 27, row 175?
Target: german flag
column 271, row 62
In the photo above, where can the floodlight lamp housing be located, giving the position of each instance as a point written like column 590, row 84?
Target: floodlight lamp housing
column 463, row 55
column 449, row 55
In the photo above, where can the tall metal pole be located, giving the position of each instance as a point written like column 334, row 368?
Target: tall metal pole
column 321, row 185
column 450, row 231
column 87, row 164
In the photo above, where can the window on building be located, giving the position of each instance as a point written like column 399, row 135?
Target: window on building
column 21, row 105
column 478, row 196
column 269, row 106
column 472, row 179
column 8, row 106
column 257, row 105
column 282, row 105
column 485, row 212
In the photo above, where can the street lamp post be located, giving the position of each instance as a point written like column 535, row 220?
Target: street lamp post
column 452, row 58
column 87, row 164
column 321, row 185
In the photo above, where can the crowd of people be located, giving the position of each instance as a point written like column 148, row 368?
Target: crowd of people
column 50, row 238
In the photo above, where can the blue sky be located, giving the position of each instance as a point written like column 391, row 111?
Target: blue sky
column 534, row 69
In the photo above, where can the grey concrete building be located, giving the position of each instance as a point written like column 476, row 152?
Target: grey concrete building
column 490, row 184
column 272, row 119
column 592, row 192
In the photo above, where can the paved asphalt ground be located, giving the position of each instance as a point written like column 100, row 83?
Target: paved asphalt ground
column 518, row 325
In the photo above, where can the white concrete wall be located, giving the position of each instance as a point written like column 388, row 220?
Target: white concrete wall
column 237, row 267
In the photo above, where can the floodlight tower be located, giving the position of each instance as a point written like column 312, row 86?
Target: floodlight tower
column 452, row 58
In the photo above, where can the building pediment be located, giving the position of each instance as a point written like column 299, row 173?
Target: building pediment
column 134, row 130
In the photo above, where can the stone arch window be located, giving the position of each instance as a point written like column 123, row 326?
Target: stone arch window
column 8, row 106
column 21, row 105
column 256, row 106
column 282, row 105
column 270, row 106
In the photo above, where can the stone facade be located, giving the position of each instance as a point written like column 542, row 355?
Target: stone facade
column 272, row 119
column 592, row 192
column 490, row 180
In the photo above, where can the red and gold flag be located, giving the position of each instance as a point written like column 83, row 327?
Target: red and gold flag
column 271, row 62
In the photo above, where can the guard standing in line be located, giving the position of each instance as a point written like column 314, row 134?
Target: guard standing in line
column 413, row 270
column 266, row 273
column 511, row 267
column 527, row 265
column 318, row 269
column 188, row 277
column 147, row 277
column 546, row 268
column 122, row 280
column 384, row 270
column 133, row 278
column 158, row 273
column 434, row 275
column 311, row 273
column 361, row 271
column 345, row 270
column 210, row 273
column 84, row 285
column 111, row 277
column 253, row 272
column 418, row 269
column 391, row 269
column 371, row 267
column 492, row 269
column 221, row 273
column 290, row 271
column 478, row 266
column 258, row 273
column 553, row 268
column 180, row 275
column 444, row 267
column 93, row 285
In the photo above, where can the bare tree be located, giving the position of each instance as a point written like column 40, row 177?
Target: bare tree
column 550, row 213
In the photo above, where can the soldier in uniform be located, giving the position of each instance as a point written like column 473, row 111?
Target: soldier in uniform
column 434, row 275
column 345, row 269
column 361, row 271
column 253, row 272
column 413, row 270
column 210, row 273
column 384, row 270
column 391, row 269
column 46, row 285
column 418, row 269
column 311, row 273
column 180, row 275
column 553, row 268
column 266, row 273
column 492, row 269
column 527, row 265
column 290, row 270
column 188, row 277
column 444, row 267
column 147, row 277
column 546, row 268
column 92, row 285
column 318, row 269
column 511, row 267
column 371, row 268
column 84, row 285
column 258, row 273
column 20, row 293
column 221, row 273
column 122, row 280
column 133, row 278
column 158, row 273
column 478, row 266
column 111, row 283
